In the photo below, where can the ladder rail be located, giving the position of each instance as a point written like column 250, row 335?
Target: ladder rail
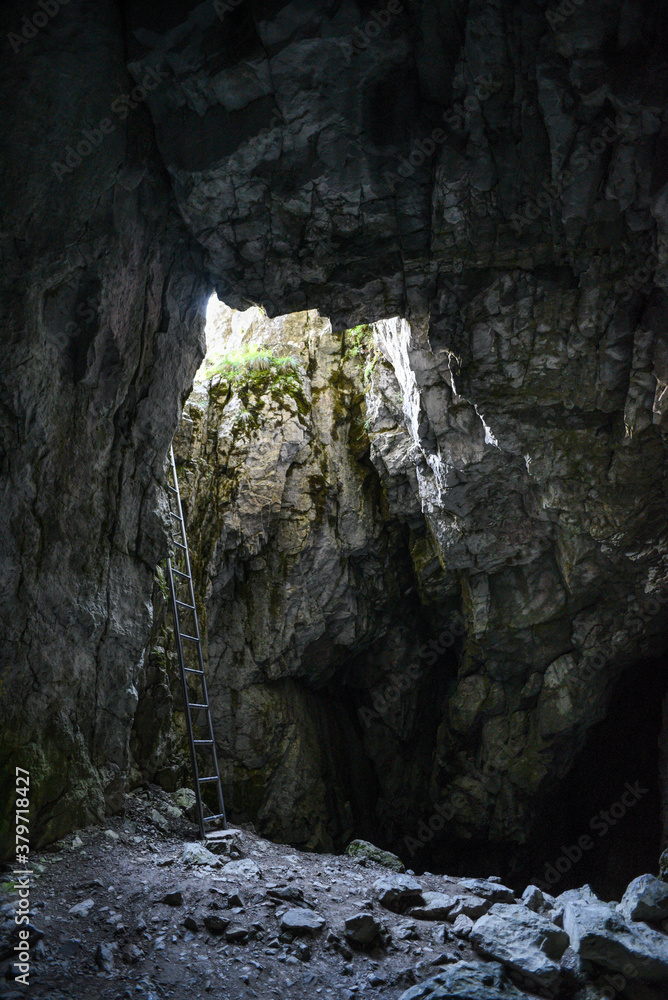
column 203, row 704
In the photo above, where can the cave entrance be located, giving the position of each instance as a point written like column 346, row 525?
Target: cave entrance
column 612, row 796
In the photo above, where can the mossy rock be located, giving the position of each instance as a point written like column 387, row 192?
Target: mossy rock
column 363, row 849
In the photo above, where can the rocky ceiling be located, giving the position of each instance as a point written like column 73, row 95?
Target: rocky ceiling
column 493, row 171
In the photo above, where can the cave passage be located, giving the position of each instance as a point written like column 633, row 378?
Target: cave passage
column 602, row 824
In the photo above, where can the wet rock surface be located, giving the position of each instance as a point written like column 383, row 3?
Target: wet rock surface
column 301, row 925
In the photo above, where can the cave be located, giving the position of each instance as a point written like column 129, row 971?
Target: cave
column 390, row 279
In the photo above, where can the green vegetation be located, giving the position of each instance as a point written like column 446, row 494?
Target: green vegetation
column 361, row 347
column 249, row 365
column 253, row 372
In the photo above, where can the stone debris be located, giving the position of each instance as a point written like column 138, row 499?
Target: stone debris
column 174, row 898
column 494, row 891
column 82, row 909
column 467, row 981
column 463, row 926
column 435, row 906
column 245, row 868
column 215, row 923
column 104, row 957
column 286, row 924
column 469, row 906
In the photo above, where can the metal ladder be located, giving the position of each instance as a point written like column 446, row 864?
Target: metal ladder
column 182, row 578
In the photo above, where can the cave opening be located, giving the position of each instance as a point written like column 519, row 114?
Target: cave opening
column 604, row 823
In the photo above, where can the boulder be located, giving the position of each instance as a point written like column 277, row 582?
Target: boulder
column 522, row 940
column 535, row 899
column 300, row 920
column 463, row 926
column 434, row 906
column 398, row 892
column 362, row 928
column 646, row 898
column 467, row 981
column 600, row 934
column 363, row 849
column 197, row 854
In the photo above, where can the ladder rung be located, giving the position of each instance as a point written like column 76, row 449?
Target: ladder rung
column 191, row 670
column 171, row 488
column 180, row 546
column 179, row 573
column 177, row 516
column 193, row 638
column 202, row 780
column 192, row 704
column 203, row 743
column 210, row 819
column 185, row 605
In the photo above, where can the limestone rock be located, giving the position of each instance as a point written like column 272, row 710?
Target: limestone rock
column 82, row 909
column 646, row 898
column 467, row 981
column 434, row 906
column 198, row 854
column 244, row 868
column 398, row 892
column 503, row 451
column 362, row 928
column 522, row 940
column 300, row 920
column 469, row 906
column 494, row 891
column 600, row 934
column 463, row 926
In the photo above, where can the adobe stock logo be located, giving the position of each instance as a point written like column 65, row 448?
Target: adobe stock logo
column 31, row 26
column 600, row 823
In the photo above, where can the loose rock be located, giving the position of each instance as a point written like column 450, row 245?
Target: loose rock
column 522, row 940
column 398, row 892
column 300, row 920
column 646, row 898
column 362, row 928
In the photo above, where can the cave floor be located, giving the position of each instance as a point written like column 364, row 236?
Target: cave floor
column 123, row 871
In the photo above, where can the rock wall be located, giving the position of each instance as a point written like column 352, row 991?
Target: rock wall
column 309, row 590
column 496, row 176
column 102, row 314
column 332, row 539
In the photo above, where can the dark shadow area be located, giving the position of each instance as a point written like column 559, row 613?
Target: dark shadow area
column 602, row 826
column 611, row 798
